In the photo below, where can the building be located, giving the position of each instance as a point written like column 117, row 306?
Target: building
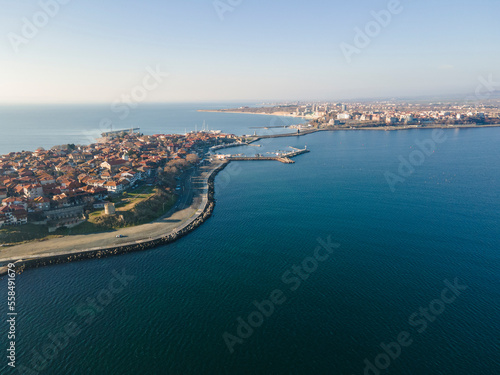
column 343, row 116
column 407, row 119
column 114, row 165
column 33, row 190
column 15, row 201
column 99, row 205
column 42, row 203
column 115, row 187
column 109, row 209
column 13, row 215
column 64, row 217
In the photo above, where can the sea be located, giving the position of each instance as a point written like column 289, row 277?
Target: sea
column 375, row 253
column 28, row 127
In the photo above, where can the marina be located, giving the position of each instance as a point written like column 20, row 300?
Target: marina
column 283, row 157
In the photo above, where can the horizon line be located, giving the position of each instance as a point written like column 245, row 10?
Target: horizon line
column 457, row 97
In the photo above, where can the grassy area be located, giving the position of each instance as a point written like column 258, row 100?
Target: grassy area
column 129, row 200
column 140, row 206
column 24, row 233
column 86, row 227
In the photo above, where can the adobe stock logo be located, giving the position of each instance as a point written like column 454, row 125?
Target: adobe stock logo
column 139, row 93
column 372, row 29
column 485, row 89
column 420, row 321
column 130, row 100
column 222, row 7
column 416, row 158
column 31, row 26
column 263, row 310
column 85, row 314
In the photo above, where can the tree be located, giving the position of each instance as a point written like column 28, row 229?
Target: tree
column 171, row 170
column 192, row 159
column 168, row 180
column 178, row 163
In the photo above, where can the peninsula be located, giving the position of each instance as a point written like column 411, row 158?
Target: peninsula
column 154, row 190
column 131, row 191
column 73, row 197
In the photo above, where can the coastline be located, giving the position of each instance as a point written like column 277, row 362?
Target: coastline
column 34, row 255
column 278, row 114
column 185, row 220
column 328, row 128
column 378, row 128
column 411, row 127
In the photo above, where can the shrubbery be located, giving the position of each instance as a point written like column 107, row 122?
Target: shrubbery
column 144, row 212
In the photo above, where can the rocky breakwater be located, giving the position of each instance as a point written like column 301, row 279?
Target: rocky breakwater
column 200, row 218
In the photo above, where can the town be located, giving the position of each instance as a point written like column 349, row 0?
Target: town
column 62, row 187
column 387, row 114
column 405, row 114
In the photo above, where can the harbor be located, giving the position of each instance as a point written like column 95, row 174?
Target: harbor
column 163, row 231
column 283, row 157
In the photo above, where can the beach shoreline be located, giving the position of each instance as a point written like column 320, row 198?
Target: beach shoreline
column 277, row 114
column 332, row 128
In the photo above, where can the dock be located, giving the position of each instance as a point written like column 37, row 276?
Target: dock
column 285, row 158
column 229, row 145
column 118, row 132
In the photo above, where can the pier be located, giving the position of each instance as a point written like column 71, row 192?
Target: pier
column 161, row 232
column 285, row 158
column 228, row 145
column 298, row 133
column 270, row 127
column 118, row 132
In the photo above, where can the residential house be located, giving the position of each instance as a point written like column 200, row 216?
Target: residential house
column 114, row 164
column 14, row 215
column 33, row 190
column 42, row 203
column 115, row 187
column 15, row 201
column 3, row 192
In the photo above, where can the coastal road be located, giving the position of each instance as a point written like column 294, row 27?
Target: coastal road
column 193, row 198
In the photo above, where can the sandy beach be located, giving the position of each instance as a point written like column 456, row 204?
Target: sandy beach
column 279, row 114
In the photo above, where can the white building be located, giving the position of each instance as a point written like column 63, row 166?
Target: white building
column 343, row 116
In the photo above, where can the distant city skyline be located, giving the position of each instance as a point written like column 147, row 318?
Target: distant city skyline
column 55, row 51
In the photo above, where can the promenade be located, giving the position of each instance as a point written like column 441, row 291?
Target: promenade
column 189, row 207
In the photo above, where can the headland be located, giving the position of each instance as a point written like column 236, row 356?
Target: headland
column 194, row 206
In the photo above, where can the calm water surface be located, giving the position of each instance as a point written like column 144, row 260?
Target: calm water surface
column 396, row 250
column 24, row 127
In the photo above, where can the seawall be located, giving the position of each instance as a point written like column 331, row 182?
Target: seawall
column 200, row 218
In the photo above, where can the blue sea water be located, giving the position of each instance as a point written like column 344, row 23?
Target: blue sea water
column 27, row 127
column 396, row 249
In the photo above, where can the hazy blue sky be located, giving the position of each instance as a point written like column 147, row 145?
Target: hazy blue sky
column 261, row 50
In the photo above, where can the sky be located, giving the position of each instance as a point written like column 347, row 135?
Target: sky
column 75, row 51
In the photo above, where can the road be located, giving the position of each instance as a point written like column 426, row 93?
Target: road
column 193, row 198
